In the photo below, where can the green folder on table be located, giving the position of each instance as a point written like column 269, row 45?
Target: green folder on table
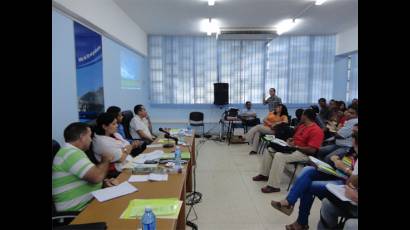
column 167, row 208
column 184, row 155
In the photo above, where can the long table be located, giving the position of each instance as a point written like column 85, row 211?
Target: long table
column 176, row 186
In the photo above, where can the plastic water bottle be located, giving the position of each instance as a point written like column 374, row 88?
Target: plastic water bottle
column 178, row 166
column 181, row 135
column 148, row 220
column 189, row 129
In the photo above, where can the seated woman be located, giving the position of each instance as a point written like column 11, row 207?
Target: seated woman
column 311, row 183
column 280, row 115
column 107, row 140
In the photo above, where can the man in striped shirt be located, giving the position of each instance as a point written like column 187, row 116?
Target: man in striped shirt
column 74, row 175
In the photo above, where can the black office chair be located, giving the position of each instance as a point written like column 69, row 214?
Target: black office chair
column 59, row 218
column 197, row 119
column 128, row 115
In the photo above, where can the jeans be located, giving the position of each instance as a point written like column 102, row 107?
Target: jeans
column 310, row 183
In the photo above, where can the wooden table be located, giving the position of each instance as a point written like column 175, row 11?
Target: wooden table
column 176, row 186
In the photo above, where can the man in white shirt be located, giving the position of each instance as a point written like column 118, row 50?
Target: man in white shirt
column 248, row 116
column 343, row 137
column 139, row 125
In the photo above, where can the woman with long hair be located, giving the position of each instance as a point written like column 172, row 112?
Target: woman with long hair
column 279, row 115
column 107, row 140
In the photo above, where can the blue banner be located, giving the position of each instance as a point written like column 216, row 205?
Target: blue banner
column 88, row 54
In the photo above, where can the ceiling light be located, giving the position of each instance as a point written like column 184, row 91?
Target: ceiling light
column 211, row 2
column 210, row 26
column 286, row 25
column 319, row 2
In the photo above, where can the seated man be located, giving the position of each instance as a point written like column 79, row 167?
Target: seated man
column 307, row 140
column 248, row 116
column 139, row 125
column 74, row 175
column 343, row 136
column 295, row 121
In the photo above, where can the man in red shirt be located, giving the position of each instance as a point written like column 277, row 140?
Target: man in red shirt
column 307, row 140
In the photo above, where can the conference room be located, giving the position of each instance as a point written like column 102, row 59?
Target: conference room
column 205, row 114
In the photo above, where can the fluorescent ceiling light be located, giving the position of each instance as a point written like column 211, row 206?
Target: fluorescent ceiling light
column 286, row 25
column 210, row 26
column 319, row 2
column 211, row 2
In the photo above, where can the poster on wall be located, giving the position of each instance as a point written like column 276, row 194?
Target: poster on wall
column 88, row 54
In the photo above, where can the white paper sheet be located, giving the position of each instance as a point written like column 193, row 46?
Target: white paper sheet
column 140, row 159
column 154, row 146
column 113, row 192
column 339, row 191
column 138, row 178
column 157, row 177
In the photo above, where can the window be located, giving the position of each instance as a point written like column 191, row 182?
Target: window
column 301, row 68
column 184, row 68
column 352, row 77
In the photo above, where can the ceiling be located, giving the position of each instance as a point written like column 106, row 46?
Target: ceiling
column 183, row 17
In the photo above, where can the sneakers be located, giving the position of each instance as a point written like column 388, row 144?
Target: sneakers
column 260, row 178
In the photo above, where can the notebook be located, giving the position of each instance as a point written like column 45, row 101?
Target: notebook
column 339, row 192
column 326, row 168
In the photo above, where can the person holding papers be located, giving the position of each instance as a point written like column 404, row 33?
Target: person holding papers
column 312, row 183
column 306, row 141
column 74, row 175
column 280, row 115
column 140, row 125
column 107, row 140
column 343, row 137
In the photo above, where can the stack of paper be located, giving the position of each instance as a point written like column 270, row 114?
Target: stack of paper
column 339, row 192
column 326, row 168
column 151, row 177
column 157, row 177
column 140, row 159
column 113, row 192
column 138, row 178
column 154, row 146
column 280, row 142
column 167, row 208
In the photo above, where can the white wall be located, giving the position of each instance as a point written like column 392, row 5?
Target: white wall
column 64, row 88
column 64, row 85
column 347, row 41
column 107, row 16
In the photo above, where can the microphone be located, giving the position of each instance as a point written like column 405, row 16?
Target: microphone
column 171, row 137
column 163, row 130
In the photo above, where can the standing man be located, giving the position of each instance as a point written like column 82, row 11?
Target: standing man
column 273, row 100
column 324, row 110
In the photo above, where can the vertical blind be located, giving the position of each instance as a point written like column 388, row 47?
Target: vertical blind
column 352, row 86
column 301, row 68
column 184, row 68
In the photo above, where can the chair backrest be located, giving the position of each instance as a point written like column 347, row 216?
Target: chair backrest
column 196, row 117
column 127, row 117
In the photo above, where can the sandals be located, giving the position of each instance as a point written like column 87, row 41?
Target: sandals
column 296, row 226
column 285, row 209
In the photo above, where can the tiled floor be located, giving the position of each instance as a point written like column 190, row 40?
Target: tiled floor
column 231, row 200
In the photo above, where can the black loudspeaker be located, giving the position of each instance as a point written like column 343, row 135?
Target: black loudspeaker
column 221, row 93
